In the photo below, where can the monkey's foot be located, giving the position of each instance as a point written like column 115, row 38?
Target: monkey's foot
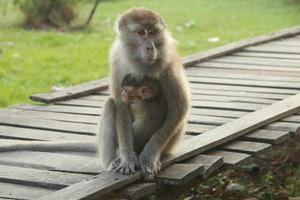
column 149, row 168
column 125, row 166
column 115, row 163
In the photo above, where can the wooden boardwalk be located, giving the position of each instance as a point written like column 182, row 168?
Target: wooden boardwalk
column 226, row 86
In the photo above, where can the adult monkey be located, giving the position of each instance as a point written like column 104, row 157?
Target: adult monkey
column 143, row 48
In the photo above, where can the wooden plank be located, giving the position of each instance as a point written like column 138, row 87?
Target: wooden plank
column 51, row 161
column 65, row 117
column 233, row 47
column 62, row 109
column 227, row 105
column 284, row 126
column 209, row 120
column 261, row 83
column 272, row 49
column 193, row 146
column 210, row 163
column 39, row 178
column 230, row 158
column 101, row 184
column 36, row 134
column 246, row 147
column 220, row 87
column 248, row 94
column 220, row 116
column 179, row 174
column 247, row 70
column 283, row 70
column 239, row 75
column 72, row 92
column 257, row 61
column 217, row 112
column 220, row 98
column 293, row 118
column 195, row 129
column 80, row 102
column 133, row 191
column 31, row 122
column 268, row 136
column 94, row 97
column 268, row 55
column 16, row 191
column 287, row 43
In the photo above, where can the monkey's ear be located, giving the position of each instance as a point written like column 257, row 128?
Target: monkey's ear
column 119, row 24
column 162, row 24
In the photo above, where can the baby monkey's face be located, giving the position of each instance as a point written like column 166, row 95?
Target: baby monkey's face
column 132, row 94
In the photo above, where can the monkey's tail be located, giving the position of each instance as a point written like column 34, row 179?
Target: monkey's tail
column 107, row 134
column 49, row 146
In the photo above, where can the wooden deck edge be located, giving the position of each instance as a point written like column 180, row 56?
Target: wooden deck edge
column 235, row 46
column 72, row 92
column 102, row 84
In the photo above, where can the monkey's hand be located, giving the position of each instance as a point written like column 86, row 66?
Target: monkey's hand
column 125, row 166
column 149, row 166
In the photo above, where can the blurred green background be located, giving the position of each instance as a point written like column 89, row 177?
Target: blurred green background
column 34, row 61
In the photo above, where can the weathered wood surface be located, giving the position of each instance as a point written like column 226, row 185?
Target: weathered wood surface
column 229, row 157
column 35, row 177
column 133, row 191
column 229, row 48
column 179, row 174
column 246, row 147
column 51, row 161
column 210, row 163
column 224, row 90
column 19, row 191
column 99, row 185
column 193, row 146
column 72, row 92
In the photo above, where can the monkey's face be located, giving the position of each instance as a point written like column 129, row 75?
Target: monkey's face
column 142, row 31
column 129, row 94
column 132, row 94
column 146, row 48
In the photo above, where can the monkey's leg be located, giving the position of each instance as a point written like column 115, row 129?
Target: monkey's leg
column 150, row 158
column 171, row 145
column 175, row 90
column 107, row 134
column 128, row 159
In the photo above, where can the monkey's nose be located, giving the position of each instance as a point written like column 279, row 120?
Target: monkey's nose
column 150, row 48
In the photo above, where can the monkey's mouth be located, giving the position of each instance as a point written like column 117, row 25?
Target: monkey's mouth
column 149, row 60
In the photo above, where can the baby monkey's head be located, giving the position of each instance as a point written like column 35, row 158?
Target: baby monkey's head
column 139, row 88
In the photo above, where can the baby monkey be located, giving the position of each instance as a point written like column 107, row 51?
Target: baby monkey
column 146, row 104
column 138, row 89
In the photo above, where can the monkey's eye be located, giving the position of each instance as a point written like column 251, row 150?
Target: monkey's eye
column 140, row 32
column 152, row 32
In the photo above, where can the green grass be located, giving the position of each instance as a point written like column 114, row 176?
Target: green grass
column 34, row 61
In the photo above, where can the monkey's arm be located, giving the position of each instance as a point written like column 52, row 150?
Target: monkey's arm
column 176, row 92
column 125, row 139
